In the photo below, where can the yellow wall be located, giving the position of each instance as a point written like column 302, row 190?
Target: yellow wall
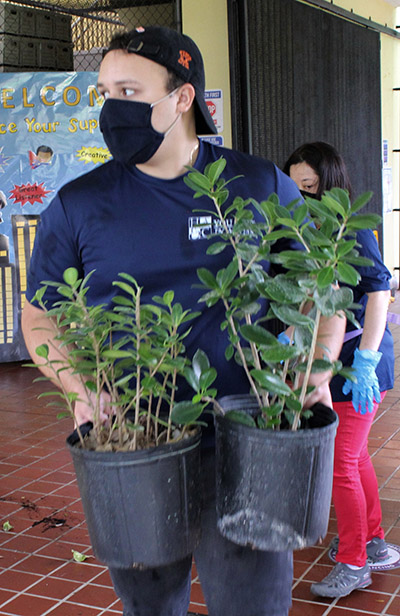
column 206, row 22
column 378, row 10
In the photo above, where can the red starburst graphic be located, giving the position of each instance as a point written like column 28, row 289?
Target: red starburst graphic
column 212, row 108
column 29, row 193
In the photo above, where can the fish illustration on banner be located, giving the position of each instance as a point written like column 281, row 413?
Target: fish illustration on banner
column 49, row 135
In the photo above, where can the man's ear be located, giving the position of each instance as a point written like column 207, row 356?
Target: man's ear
column 186, row 97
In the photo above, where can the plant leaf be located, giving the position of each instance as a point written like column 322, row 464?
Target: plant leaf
column 278, row 353
column 300, row 214
column 364, row 221
column 361, row 201
column 42, row 350
column 215, row 169
column 281, row 290
column 290, row 316
column 241, row 417
column 185, row 413
column 325, row 277
column 271, row 382
column 257, row 334
column 70, row 276
column 207, row 278
column 207, row 378
column 216, row 248
column 347, row 273
column 78, row 556
column 116, row 353
column 200, row 363
column 293, row 404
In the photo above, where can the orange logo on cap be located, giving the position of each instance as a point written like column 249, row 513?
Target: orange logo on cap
column 184, row 58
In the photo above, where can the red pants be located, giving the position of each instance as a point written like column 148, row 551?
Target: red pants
column 355, row 487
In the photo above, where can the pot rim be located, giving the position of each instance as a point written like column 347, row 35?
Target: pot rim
column 156, row 452
column 255, row 433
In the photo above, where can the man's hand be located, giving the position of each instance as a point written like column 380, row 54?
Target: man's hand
column 84, row 410
column 321, row 394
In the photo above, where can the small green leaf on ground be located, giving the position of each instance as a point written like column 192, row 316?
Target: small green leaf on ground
column 7, row 526
column 78, row 556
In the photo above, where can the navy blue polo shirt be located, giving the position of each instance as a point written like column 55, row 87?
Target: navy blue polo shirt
column 118, row 219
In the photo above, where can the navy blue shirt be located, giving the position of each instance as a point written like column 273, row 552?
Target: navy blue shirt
column 118, row 219
column 373, row 278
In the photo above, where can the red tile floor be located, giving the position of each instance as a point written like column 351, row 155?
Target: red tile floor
column 39, row 498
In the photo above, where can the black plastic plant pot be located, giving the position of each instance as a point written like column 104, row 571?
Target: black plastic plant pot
column 142, row 508
column 274, row 487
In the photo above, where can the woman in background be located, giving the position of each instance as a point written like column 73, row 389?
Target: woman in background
column 315, row 168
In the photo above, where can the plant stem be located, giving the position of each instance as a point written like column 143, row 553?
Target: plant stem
column 308, row 369
column 217, row 407
column 138, row 374
column 70, row 406
column 88, row 322
column 170, row 406
column 159, row 402
column 148, row 422
column 239, row 349
column 233, row 241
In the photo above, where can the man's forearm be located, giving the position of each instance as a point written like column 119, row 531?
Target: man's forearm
column 39, row 329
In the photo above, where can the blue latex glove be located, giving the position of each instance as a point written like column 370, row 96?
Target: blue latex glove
column 283, row 338
column 367, row 386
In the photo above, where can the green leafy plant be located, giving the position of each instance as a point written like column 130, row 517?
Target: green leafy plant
column 305, row 290
column 132, row 354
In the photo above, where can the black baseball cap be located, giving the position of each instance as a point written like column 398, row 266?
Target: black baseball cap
column 179, row 54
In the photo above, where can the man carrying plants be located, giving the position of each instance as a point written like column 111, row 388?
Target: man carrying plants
column 135, row 214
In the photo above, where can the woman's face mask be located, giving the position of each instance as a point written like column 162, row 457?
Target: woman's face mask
column 304, row 193
column 128, row 131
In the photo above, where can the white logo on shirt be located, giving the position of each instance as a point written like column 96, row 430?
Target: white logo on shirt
column 202, row 227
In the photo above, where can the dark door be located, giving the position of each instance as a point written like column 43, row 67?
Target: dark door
column 300, row 74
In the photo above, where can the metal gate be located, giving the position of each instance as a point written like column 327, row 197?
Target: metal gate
column 70, row 35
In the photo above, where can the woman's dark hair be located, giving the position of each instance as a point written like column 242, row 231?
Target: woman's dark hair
column 326, row 162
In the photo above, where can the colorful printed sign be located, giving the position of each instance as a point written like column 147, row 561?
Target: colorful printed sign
column 49, row 134
column 216, row 108
column 214, row 139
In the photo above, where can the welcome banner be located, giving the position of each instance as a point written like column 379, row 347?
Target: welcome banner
column 49, row 134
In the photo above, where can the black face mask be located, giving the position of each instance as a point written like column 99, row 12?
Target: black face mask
column 304, row 193
column 128, row 132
